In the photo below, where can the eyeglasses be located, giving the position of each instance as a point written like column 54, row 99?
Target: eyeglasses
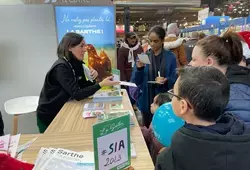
column 171, row 94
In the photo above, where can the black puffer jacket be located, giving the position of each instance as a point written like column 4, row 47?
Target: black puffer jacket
column 223, row 146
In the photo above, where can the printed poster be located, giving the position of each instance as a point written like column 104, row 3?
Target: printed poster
column 97, row 25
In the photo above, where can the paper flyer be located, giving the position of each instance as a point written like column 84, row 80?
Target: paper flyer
column 4, row 143
column 92, row 113
column 94, row 106
column 124, row 83
column 87, row 73
column 144, row 58
column 13, row 145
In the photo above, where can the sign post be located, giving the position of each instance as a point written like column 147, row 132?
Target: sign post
column 111, row 140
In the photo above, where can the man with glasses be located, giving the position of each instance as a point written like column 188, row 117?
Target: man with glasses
column 210, row 138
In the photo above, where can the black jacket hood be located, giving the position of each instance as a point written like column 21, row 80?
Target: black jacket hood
column 238, row 74
column 223, row 146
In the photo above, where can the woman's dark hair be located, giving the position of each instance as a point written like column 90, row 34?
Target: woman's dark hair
column 227, row 49
column 159, row 31
column 162, row 98
column 68, row 41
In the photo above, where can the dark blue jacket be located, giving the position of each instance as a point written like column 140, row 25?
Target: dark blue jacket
column 239, row 102
column 140, row 78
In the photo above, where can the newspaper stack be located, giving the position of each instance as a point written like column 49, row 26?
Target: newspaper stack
column 62, row 159
column 9, row 144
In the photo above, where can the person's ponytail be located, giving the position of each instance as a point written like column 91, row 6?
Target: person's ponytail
column 234, row 45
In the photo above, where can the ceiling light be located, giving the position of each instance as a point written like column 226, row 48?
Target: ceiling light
column 137, row 21
column 140, row 19
column 176, row 21
column 243, row 9
column 185, row 18
column 158, row 21
column 194, row 15
column 247, row 9
column 235, row 9
column 239, row 12
column 163, row 19
column 218, row 9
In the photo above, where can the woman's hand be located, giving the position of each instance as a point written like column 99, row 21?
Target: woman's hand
column 161, row 81
column 108, row 82
column 93, row 74
column 139, row 64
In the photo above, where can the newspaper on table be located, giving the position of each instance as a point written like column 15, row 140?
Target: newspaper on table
column 63, row 159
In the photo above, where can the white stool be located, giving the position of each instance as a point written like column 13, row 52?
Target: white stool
column 19, row 106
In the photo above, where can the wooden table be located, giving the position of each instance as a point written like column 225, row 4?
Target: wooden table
column 70, row 131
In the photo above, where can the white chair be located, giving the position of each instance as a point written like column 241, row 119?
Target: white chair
column 20, row 106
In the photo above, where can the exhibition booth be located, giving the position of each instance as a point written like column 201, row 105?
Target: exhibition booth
column 28, row 42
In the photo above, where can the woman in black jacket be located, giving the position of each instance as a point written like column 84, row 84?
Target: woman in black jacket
column 66, row 80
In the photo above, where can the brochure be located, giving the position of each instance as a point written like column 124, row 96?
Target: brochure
column 87, row 73
column 4, row 143
column 92, row 113
column 66, row 159
column 13, row 145
column 94, row 106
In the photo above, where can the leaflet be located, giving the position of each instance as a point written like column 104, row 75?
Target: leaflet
column 65, row 159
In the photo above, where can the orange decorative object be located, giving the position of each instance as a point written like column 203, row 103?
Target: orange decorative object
column 101, row 63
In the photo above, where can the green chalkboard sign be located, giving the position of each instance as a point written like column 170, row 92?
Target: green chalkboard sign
column 112, row 143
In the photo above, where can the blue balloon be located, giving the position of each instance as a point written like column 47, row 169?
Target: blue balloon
column 165, row 123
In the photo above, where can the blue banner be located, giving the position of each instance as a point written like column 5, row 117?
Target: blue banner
column 95, row 23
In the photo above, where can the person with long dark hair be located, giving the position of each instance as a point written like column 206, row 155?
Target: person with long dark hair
column 162, row 70
column 66, row 80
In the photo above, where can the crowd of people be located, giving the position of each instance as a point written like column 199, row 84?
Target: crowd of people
column 206, row 79
column 211, row 93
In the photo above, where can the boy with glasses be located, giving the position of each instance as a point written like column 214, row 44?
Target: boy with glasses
column 210, row 139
